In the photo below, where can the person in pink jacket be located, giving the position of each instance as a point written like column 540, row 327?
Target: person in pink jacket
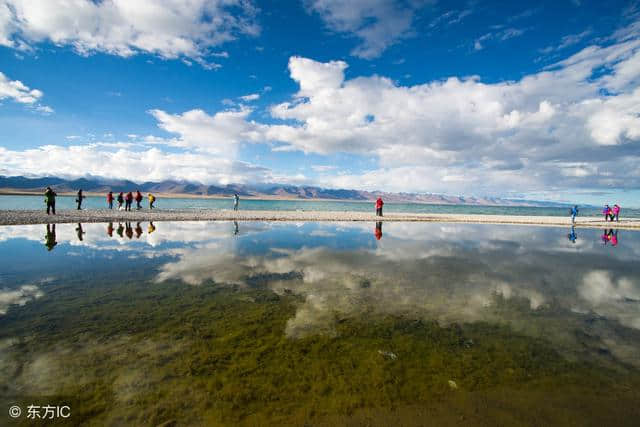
column 616, row 211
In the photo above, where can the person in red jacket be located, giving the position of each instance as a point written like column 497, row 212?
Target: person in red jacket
column 110, row 199
column 128, row 199
column 138, row 199
column 379, row 204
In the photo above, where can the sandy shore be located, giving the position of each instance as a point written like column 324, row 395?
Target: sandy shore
column 15, row 217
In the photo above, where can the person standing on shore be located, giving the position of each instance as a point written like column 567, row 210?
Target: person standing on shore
column 79, row 198
column 379, row 204
column 128, row 200
column 616, row 211
column 50, row 200
column 574, row 213
column 606, row 211
column 138, row 200
column 152, row 199
column 120, row 200
column 110, row 199
column 236, row 200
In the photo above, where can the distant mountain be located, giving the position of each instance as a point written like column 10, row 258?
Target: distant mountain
column 23, row 184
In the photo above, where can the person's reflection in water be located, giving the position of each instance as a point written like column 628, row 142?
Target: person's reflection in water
column 128, row 230
column 50, row 237
column 236, row 230
column 572, row 235
column 120, row 230
column 110, row 229
column 151, row 228
column 138, row 230
column 378, row 231
column 80, row 231
column 609, row 236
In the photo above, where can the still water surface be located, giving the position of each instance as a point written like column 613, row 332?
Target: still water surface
column 314, row 323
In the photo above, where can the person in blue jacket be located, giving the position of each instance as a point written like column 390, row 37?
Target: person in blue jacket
column 574, row 213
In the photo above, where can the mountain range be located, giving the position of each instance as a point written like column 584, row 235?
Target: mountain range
column 21, row 184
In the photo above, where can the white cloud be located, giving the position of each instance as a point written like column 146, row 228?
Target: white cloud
column 169, row 29
column 323, row 168
column 18, row 91
column 377, row 23
column 502, row 35
column 149, row 164
column 250, row 97
column 215, row 134
column 447, row 135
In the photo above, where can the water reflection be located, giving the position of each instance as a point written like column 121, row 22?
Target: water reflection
column 572, row 235
column 522, row 285
column 50, row 237
column 79, row 231
column 378, row 230
column 609, row 236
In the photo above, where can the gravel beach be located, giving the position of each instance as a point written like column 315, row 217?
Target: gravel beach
column 16, row 217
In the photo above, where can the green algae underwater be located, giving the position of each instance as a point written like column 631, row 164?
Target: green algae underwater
column 284, row 325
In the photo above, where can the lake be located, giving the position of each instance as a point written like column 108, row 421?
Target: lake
column 252, row 323
column 93, row 202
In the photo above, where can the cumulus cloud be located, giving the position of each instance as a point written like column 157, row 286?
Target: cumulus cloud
column 17, row 91
column 451, row 133
column 169, row 29
column 147, row 164
column 378, row 23
column 219, row 133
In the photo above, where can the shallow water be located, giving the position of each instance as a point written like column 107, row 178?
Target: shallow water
column 315, row 323
column 92, row 202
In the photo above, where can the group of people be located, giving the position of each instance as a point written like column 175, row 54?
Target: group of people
column 122, row 199
column 127, row 200
column 611, row 213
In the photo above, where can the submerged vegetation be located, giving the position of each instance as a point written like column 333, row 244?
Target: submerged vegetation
column 147, row 353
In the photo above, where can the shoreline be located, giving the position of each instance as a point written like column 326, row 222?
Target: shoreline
column 23, row 217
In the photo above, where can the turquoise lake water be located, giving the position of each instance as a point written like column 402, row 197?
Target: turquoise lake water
column 68, row 202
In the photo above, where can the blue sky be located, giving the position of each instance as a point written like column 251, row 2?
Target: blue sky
column 476, row 98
